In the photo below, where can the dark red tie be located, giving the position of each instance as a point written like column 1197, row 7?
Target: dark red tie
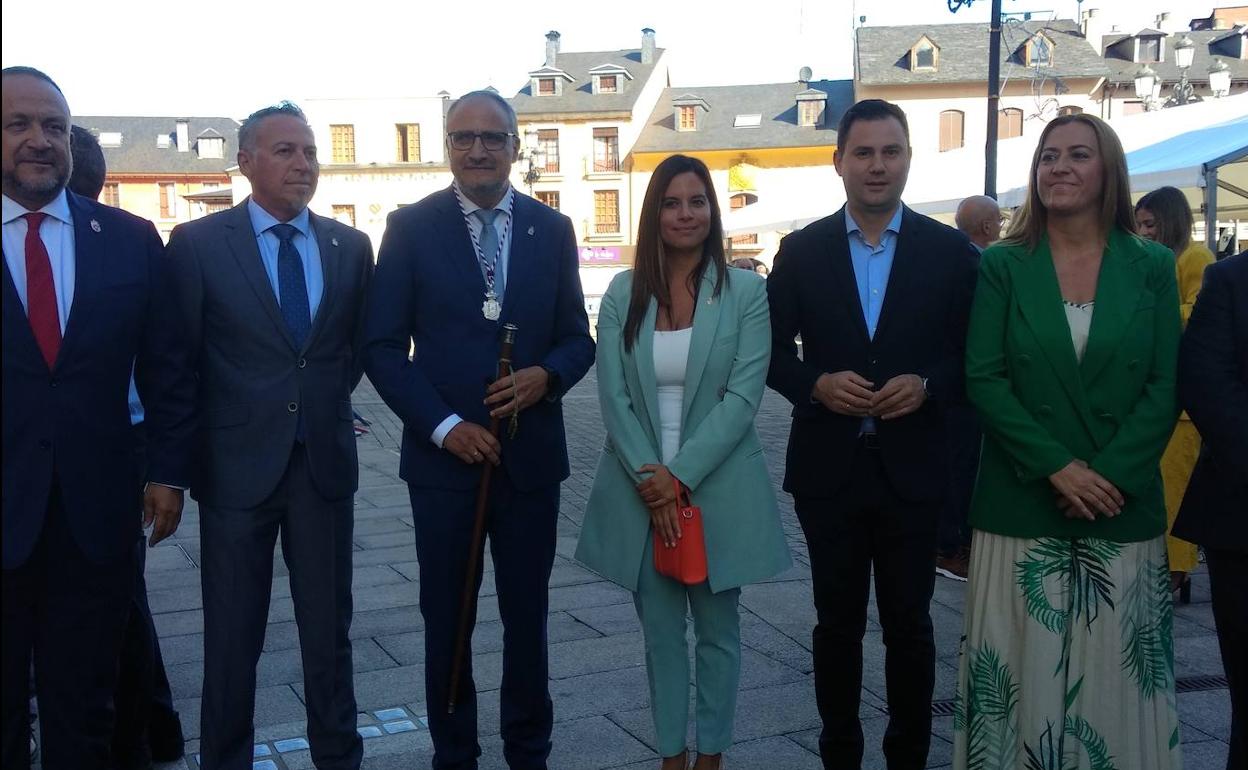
column 45, row 322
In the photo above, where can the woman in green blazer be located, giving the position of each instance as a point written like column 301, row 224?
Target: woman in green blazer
column 683, row 348
column 1070, row 361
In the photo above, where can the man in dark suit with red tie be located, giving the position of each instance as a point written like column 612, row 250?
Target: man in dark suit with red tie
column 880, row 296
column 83, row 304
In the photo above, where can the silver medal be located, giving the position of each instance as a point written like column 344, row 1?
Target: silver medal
column 491, row 309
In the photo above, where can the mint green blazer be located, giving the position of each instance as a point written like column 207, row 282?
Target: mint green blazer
column 1042, row 407
column 720, row 457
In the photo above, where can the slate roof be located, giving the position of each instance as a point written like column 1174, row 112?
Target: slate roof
column 1122, row 70
column 578, row 97
column 776, row 102
column 883, row 53
column 138, row 153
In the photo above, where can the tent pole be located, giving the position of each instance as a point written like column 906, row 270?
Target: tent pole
column 1211, row 207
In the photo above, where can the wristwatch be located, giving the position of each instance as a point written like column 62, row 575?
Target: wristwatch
column 554, row 384
column 926, row 392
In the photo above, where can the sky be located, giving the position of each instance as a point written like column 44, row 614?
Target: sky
column 229, row 57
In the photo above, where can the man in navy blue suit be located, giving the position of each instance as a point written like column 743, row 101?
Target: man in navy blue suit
column 451, row 269
column 83, row 288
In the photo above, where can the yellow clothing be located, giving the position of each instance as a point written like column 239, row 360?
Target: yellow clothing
column 1184, row 446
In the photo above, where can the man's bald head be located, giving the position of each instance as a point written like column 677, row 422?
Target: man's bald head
column 980, row 218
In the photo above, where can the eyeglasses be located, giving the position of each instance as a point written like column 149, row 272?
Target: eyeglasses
column 491, row 140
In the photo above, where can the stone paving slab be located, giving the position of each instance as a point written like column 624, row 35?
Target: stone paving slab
column 598, row 680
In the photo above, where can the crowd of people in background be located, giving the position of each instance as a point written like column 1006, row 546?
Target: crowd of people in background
column 1024, row 413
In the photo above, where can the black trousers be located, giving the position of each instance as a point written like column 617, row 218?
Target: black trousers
column 868, row 526
column 237, row 556
column 146, row 719
column 69, row 614
column 962, row 428
column 521, row 530
column 1228, row 582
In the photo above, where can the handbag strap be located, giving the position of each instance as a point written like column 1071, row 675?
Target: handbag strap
column 682, row 499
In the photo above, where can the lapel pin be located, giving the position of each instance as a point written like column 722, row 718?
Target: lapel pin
column 334, row 241
column 530, row 229
column 95, row 225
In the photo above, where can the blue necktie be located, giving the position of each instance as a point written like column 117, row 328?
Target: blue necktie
column 489, row 250
column 292, row 287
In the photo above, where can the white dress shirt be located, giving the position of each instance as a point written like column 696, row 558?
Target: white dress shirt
column 57, row 232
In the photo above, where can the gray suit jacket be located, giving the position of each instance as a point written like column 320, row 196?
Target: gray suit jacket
column 253, row 381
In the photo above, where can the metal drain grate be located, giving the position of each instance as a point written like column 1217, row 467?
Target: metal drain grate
column 1199, row 683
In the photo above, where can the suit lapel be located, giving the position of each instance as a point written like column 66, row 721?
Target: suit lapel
column 1040, row 302
column 1118, row 289
column 643, row 359
column 902, row 276
column 458, row 245
column 325, row 231
column 241, row 239
column 88, row 272
column 18, row 320
column 705, row 324
column 843, row 279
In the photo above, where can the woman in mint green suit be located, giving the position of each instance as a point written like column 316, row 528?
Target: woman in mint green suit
column 683, row 348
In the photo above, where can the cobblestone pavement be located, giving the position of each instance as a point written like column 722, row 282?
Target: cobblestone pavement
column 596, row 658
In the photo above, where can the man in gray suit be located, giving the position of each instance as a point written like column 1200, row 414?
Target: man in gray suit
column 273, row 298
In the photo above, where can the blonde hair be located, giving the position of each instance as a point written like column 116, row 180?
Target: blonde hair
column 1030, row 224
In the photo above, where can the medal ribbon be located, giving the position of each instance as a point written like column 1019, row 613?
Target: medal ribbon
column 487, row 268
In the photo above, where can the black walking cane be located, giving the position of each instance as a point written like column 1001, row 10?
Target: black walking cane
column 468, row 606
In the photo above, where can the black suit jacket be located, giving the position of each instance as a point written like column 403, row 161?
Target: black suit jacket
column 921, row 330
column 1213, row 388
column 71, row 426
column 253, row 380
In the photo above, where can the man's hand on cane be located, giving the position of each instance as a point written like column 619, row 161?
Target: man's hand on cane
column 516, row 392
column 472, row 443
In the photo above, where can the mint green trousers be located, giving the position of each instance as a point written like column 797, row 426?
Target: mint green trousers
column 661, row 606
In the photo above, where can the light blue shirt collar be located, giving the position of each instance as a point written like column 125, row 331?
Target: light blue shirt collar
column 58, row 208
column 262, row 220
column 893, row 226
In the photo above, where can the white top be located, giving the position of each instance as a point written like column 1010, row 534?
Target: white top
column 671, row 357
column 1079, row 318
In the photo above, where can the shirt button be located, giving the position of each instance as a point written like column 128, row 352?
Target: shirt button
column 292, row 407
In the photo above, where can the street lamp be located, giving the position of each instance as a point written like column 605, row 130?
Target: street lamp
column 534, row 158
column 1183, row 94
column 1146, row 86
column 1219, row 78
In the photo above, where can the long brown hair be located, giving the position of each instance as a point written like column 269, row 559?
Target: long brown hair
column 1031, row 222
column 1172, row 216
column 650, row 264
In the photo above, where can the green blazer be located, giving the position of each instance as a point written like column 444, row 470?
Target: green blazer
column 720, row 457
column 1041, row 407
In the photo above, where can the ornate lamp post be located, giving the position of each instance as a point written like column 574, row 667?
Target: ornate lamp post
column 994, row 91
column 1184, row 50
column 1146, row 87
column 534, row 158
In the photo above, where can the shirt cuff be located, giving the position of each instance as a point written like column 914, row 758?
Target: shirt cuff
column 445, row 427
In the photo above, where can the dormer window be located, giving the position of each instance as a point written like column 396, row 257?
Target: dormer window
column 924, row 56
column 811, row 105
column 609, row 79
column 548, row 81
column 210, row 147
column 1150, row 46
column 689, row 110
column 1039, row 51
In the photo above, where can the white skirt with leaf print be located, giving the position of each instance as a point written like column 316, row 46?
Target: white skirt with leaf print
column 1067, row 661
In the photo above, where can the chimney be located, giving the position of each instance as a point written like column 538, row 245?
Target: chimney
column 552, row 48
column 184, row 135
column 1093, row 28
column 647, row 46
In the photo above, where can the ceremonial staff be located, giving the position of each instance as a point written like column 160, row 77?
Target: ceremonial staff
column 468, row 606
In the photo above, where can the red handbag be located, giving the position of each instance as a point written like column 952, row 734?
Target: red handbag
column 686, row 562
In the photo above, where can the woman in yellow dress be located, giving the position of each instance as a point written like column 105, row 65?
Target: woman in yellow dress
column 1163, row 215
